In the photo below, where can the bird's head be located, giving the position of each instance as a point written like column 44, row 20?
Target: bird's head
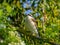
column 29, row 15
column 32, row 19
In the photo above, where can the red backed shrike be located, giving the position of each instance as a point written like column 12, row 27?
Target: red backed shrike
column 30, row 24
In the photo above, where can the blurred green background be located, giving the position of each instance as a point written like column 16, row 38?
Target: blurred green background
column 12, row 28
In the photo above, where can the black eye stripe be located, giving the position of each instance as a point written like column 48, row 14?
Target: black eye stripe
column 29, row 15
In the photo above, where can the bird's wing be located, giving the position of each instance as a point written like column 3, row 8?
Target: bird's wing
column 34, row 21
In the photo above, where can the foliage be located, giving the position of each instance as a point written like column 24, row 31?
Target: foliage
column 12, row 29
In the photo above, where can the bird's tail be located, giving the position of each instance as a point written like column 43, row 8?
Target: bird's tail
column 36, row 34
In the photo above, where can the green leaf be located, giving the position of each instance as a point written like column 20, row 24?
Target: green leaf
column 8, row 8
column 1, row 12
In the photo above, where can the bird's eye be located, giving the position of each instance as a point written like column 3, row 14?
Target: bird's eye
column 29, row 14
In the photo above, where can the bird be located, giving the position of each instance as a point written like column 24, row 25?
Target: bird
column 31, row 25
